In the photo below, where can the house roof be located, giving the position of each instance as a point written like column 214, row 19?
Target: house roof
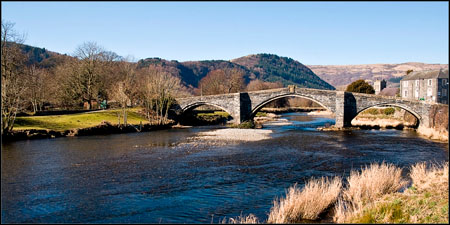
column 392, row 91
column 427, row 74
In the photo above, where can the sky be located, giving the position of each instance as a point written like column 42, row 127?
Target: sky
column 314, row 33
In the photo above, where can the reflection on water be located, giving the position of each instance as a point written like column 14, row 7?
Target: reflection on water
column 165, row 176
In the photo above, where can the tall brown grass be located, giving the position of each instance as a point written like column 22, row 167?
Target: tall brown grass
column 308, row 203
column 364, row 187
column 250, row 219
column 432, row 178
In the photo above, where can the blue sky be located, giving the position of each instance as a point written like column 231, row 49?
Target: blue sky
column 314, row 33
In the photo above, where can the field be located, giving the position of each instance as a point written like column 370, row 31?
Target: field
column 79, row 120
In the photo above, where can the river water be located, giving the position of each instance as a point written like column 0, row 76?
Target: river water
column 170, row 177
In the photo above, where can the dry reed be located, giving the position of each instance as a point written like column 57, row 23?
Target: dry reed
column 308, row 203
column 431, row 178
column 250, row 219
column 366, row 186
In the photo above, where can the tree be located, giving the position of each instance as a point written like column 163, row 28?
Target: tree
column 12, row 63
column 158, row 92
column 257, row 85
column 124, row 88
column 360, row 86
column 38, row 86
column 223, row 81
column 88, row 76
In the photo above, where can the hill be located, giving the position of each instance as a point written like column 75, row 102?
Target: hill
column 273, row 68
column 265, row 67
column 191, row 72
column 41, row 56
column 342, row 75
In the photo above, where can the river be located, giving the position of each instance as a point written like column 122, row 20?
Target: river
column 170, row 177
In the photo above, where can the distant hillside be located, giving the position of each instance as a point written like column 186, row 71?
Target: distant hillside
column 341, row 76
column 41, row 56
column 273, row 68
column 191, row 72
column 262, row 66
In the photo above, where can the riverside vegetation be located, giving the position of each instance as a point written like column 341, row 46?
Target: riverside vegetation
column 376, row 194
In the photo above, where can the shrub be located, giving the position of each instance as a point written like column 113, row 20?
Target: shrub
column 244, row 125
column 308, row 203
column 389, row 111
column 372, row 111
column 360, row 86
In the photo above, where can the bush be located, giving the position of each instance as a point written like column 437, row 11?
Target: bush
column 360, row 86
column 372, row 111
column 244, row 125
column 389, row 111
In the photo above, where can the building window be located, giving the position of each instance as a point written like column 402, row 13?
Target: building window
column 405, row 93
column 439, row 93
column 417, row 83
column 429, row 82
column 444, row 92
column 405, row 83
column 444, row 81
column 429, row 92
column 416, row 94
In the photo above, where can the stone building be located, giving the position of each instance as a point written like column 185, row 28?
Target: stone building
column 431, row 86
column 379, row 85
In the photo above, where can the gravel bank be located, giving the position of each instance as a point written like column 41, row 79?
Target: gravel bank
column 236, row 134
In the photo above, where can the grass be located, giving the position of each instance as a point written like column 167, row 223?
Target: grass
column 216, row 113
column 258, row 114
column 371, row 196
column 426, row 201
column 365, row 187
column 250, row 219
column 307, row 203
column 79, row 120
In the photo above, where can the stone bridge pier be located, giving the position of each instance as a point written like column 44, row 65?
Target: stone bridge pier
column 345, row 105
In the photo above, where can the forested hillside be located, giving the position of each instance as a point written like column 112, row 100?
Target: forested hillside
column 273, row 68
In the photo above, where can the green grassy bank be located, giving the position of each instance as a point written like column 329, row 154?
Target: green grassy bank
column 79, row 120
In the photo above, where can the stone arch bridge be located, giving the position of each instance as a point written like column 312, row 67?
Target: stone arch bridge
column 345, row 105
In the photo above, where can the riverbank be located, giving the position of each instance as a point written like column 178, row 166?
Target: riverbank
column 103, row 128
column 97, row 122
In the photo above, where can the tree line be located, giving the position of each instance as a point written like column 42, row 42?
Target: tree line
column 90, row 76
column 93, row 75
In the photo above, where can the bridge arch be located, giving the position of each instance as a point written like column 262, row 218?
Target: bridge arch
column 256, row 108
column 387, row 104
column 200, row 103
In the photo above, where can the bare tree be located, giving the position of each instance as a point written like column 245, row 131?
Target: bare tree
column 37, row 83
column 159, row 89
column 223, row 81
column 88, row 77
column 125, row 90
column 12, row 63
column 257, row 85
